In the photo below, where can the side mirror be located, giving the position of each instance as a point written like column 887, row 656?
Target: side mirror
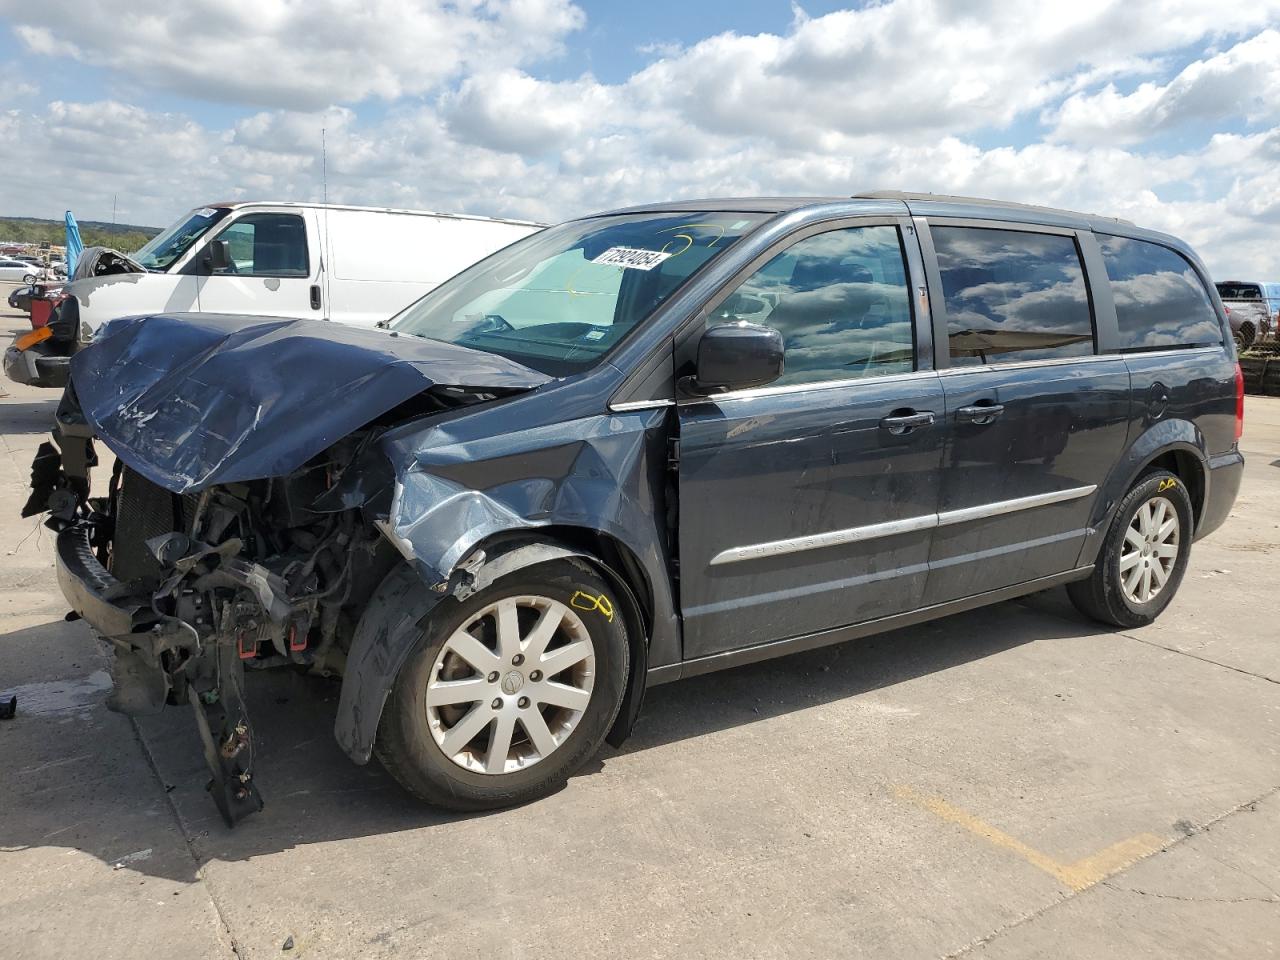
column 735, row 356
column 218, row 256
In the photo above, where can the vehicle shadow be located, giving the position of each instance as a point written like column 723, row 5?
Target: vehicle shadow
column 314, row 793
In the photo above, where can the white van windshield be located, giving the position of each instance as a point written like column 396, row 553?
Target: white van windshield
column 558, row 300
column 167, row 246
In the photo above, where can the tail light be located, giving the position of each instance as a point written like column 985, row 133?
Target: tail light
column 1239, row 401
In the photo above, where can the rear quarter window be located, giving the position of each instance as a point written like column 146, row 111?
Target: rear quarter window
column 1160, row 300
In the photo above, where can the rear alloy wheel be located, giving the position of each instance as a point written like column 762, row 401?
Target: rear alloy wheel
column 1244, row 337
column 1144, row 555
column 509, row 692
column 1149, row 550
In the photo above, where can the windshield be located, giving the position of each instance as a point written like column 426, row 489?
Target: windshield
column 559, row 300
column 166, row 247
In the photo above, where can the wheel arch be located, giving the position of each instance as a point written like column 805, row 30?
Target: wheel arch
column 378, row 654
column 1174, row 445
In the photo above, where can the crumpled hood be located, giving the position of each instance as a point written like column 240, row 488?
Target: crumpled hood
column 192, row 400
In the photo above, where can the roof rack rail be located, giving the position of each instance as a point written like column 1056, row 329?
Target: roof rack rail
column 984, row 201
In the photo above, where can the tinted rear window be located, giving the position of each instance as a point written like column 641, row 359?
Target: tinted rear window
column 1239, row 291
column 1012, row 295
column 1160, row 300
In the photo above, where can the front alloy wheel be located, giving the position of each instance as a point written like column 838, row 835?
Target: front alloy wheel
column 510, row 685
column 505, row 694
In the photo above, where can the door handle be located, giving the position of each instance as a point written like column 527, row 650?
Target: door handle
column 315, row 296
column 980, row 413
column 902, row 423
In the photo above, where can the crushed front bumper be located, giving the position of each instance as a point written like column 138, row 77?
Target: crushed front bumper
column 94, row 594
column 142, row 684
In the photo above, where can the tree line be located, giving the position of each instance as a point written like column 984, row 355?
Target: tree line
column 123, row 237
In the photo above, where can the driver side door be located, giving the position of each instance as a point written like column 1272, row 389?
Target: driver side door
column 275, row 267
column 810, row 503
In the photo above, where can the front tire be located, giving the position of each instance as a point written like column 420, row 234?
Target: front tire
column 509, row 692
column 1144, row 555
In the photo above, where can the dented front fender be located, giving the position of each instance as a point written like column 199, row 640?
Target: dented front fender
column 462, row 483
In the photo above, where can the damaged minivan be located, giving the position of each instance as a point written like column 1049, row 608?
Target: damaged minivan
column 635, row 447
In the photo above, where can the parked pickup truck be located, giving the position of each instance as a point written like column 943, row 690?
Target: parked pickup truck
column 1253, row 308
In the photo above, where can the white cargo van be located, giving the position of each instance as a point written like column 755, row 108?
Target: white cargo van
column 350, row 264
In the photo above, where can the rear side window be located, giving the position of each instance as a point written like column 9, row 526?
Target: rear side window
column 1160, row 300
column 1012, row 295
column 268, row 245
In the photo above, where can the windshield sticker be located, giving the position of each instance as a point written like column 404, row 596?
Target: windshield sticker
column 206, row 212
column 631, row 258
column 593, row 335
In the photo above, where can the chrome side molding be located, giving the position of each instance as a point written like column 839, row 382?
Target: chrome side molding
column 948, row 517
column 874, row 531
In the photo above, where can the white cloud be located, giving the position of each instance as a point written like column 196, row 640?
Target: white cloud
column 294, row 54
column 15, row 88
column 512, row 111
column 909, row 94
column 1242, row 82
column 919, row 68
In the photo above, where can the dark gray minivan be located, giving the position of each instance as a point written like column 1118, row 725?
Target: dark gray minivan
column 636, row 447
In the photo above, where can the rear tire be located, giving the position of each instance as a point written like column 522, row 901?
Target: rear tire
column 523, row 746
column 1143, row 557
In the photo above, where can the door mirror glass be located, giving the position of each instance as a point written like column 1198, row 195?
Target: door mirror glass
column 736, row 356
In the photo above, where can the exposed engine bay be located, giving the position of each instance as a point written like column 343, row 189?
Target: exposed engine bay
column 271, row 476
column 239, row 576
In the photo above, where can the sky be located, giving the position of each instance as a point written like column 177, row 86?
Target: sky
column 1164, row 112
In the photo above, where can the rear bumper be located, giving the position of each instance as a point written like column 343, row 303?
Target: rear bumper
column 36, row 366
column 1222, row 483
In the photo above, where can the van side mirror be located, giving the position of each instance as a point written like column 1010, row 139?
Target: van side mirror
column 218, row 256
column 736, row 356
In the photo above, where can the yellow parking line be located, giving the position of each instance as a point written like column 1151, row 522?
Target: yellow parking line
column 1078, row 876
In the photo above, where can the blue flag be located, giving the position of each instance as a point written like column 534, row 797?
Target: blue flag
column 75, row 246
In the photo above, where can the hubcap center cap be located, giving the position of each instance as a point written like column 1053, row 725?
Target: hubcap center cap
column 512, row 683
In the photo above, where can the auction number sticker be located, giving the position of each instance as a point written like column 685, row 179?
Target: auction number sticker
column 632, row 258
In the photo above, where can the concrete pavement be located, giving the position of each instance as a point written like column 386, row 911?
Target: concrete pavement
column 1013, row 782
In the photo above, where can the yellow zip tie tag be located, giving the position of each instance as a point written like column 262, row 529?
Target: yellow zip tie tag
column 585, row 601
